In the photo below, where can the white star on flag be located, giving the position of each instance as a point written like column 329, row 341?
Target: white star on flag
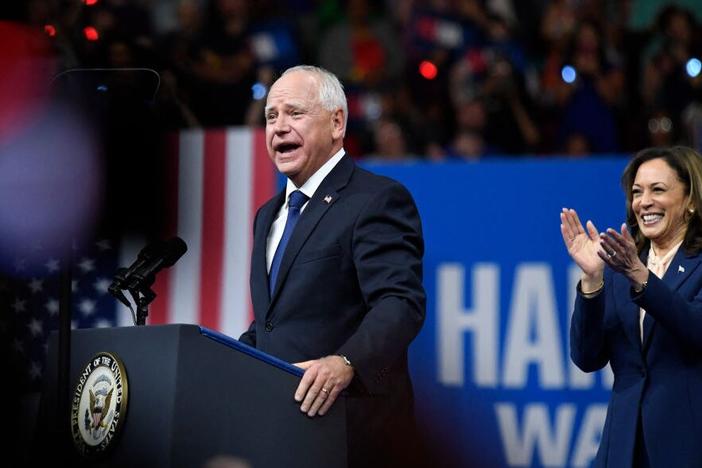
column 53, row 265
column 36, row 285
column 35, row 327
column 86, row 265
column 102, row 285
column 103, row 244
column 19, row 305
column 87, row 307
column 52, row 306
column 35, row 370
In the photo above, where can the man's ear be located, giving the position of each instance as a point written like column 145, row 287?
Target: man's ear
column 338, row 124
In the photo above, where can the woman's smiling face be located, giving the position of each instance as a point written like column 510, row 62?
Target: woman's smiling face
column 660, row 201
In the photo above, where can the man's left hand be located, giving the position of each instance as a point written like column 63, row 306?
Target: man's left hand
column 321, row 384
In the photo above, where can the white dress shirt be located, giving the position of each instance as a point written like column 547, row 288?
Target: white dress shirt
column 308, row 188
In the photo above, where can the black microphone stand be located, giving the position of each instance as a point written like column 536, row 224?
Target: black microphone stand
column 143, row 296
column 140, row 290
column 138, row 278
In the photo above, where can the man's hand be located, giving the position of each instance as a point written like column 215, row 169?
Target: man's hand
column 321, row 384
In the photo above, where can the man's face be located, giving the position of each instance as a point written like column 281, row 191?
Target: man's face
column 300, row 134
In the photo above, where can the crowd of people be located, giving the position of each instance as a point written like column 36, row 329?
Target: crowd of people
column 435, row 79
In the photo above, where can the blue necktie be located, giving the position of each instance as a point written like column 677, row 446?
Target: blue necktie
column 295, row 202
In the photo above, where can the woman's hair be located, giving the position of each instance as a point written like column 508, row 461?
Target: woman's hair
column 687, row 164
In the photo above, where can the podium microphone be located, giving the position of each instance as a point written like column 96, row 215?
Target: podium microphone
column 138, row 278
column 154, row 260
column 146, row 254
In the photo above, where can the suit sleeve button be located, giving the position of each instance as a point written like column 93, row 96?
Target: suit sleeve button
column 269, row 326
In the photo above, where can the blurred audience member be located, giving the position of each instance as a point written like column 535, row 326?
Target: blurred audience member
column 362, row 48
column 389, row 141
column 467, row 145
column 577, row 145
column 660, row 129
column 671, row 74
column 223, row 65
column 593, row 85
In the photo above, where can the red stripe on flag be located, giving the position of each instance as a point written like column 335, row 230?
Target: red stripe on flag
column 263, row 181
column 214, row 190
column 158, row 311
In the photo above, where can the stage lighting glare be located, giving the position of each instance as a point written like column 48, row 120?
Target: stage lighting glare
column 569, row 74
column 91, row 33
column 24, row 92
column 258, row 91
column 50, row 188
column 90, row 2
column 50, row 30
column 693, row 67
column 428, row 70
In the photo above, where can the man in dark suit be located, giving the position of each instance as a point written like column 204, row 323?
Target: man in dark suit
column 336, row 271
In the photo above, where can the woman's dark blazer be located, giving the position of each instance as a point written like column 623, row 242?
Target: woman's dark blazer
column 659, row 381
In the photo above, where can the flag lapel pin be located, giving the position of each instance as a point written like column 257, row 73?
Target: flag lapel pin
column 328, row 199
column 681, row 269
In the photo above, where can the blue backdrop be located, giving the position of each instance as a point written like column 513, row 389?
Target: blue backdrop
column 494, row 382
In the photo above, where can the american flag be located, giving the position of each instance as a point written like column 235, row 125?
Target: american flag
column 32, row 306
column 219, row 178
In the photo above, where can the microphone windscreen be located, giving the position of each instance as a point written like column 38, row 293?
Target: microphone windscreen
column 174, row 249
column 153, row 250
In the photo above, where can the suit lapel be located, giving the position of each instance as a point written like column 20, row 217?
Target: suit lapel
column 680, row 269
column 324, row 197
column 628, row 310
column 259, row 271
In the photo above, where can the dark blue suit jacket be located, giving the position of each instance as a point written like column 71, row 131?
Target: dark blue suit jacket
column 350, row 283
column 659, row 381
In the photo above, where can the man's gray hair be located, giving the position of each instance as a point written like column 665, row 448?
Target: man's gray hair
column 331, row 91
